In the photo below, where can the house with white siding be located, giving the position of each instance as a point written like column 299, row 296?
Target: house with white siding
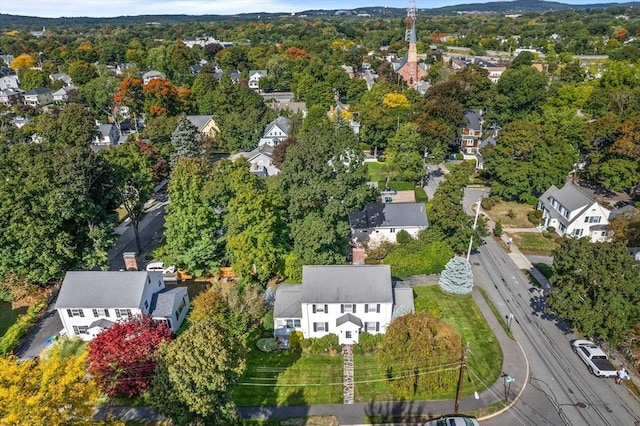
column 379, row 222
column 276, row 132
column 91, row 301
column 344, row 300
column 574, row 213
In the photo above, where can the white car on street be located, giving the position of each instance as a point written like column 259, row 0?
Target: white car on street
column 453, row 421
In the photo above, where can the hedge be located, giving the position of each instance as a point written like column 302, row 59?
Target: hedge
column 19, row 329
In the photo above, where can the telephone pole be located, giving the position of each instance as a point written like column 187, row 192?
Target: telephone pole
column 463, row 365
column 475, row 224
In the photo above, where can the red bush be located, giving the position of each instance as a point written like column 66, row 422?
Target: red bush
column 122, row 358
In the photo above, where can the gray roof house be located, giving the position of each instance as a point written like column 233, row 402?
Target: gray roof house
column 260, row 160
column 254, row 78
column 574, row 213
column 345, row 300
column 276, row 131
column 90, row 301
column 378, row 222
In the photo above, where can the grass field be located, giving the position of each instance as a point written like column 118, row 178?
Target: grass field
column 534, row 243
column 544, row 269
column 518, row 217
column 289, row 378
column 485, row 356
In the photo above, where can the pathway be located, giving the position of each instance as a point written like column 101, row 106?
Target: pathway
column 347, row 380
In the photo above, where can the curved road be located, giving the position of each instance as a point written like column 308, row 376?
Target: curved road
column 560, row 391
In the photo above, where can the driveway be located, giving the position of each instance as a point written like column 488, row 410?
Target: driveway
column 34, row 343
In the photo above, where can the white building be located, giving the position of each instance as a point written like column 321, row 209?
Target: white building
column 574, row 213
column 340, row 299
column 382, row 221
column 275, row 132
column 91, row 301
column 254, row 78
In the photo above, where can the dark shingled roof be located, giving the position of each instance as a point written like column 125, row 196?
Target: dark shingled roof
column 389, row 215
column 349, row 318
column 163, row 302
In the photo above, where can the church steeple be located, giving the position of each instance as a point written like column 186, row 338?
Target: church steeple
column 410, row 70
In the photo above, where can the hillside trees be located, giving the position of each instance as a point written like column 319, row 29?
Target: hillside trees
column 121, row 359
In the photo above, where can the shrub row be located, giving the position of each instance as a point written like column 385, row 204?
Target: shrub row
column 19, row 329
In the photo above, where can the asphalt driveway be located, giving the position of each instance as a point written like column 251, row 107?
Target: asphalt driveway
column 36, row 339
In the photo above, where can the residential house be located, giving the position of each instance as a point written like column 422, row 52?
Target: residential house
column 471, row 133
column 275, row 132
column 260, row 160
column 254, row 78
column 91, row 301
column 295, row 107
column 206, row 126
column 9, row 82
column 151, row 75
column 572, row 212
column 63, row 94
column 379, row 222
column 233, row 75
column 39, row 96
column 61, row 76
column 108, row 137
column 20, row 122
column 7, row 59
column 345, row 300
column 495, row 72
column 10, row 96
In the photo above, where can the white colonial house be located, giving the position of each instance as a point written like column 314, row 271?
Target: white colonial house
column 151, row 75
column 260, row 160
column 345, row 300
column 379, row 222
column 574, row 213
column 275, row 132
column 254, row 78
column 92, row 301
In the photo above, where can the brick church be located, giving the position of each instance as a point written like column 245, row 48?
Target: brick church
column 408, row 67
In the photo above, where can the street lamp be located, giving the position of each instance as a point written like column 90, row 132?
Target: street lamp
column 475, row 223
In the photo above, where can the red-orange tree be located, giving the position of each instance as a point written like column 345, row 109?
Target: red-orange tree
column 122, row 359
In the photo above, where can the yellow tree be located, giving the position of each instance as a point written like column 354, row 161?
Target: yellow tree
column 53, row 390
column 23, row 61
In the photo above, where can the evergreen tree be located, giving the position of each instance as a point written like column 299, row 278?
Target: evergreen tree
column 185, row 141
column 457, row 277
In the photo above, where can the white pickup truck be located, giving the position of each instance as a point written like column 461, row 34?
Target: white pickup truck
column 596, row 360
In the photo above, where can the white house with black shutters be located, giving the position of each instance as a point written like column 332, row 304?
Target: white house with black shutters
column 91, row 301
column 341, row 299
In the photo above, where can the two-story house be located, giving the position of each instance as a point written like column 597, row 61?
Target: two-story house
column 574, row 213
column 151, row 75
column 108, row 136
column 345, row 300
column 254, row 78
column 260, row 160
column 9, row 82
column 275, row 132
column 206, row 125
column 10, row 96
column 63, row 94
column 379, row 222
column 471, row 133
column 39, row 96
column 91, row 301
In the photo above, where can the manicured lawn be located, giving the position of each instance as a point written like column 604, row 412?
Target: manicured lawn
column 519, row 220
column 534, row 243
column 485, row 356
column 421, row 196
column 289, row 378
column 375, row 172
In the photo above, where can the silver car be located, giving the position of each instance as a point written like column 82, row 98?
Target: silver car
column 453, row 421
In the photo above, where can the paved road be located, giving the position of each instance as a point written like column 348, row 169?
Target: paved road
column 150, row 235
column 558, row 379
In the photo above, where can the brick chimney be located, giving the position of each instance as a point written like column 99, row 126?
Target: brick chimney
column 358, row 255
column 130, row 261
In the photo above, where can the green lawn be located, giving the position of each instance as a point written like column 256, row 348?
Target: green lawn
column 375, row 172
column 511, row 214
column 485, row 357
column 544, row 269
column 8, row 316
column 534, row 243
column 289, row 378
column 421, row 196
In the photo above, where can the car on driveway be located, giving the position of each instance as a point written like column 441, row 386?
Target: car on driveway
column 594, row 357
column 453, row 421
column 159, row 267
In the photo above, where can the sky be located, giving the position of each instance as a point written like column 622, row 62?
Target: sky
column 110, row 8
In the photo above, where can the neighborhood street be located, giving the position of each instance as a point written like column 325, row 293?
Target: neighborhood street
column 560, row 390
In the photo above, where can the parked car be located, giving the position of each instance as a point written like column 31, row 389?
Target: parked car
column 595, row 359
column 159, row 267
column 621, row 204
column 453, row 421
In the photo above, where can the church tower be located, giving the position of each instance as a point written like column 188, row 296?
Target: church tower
column 409, row 69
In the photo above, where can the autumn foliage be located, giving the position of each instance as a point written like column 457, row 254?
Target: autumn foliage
column 122, row 359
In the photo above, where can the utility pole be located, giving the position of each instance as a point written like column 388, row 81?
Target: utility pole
column 475, row 223
column 463, row 365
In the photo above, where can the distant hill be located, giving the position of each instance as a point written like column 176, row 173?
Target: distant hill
column 518, row 6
